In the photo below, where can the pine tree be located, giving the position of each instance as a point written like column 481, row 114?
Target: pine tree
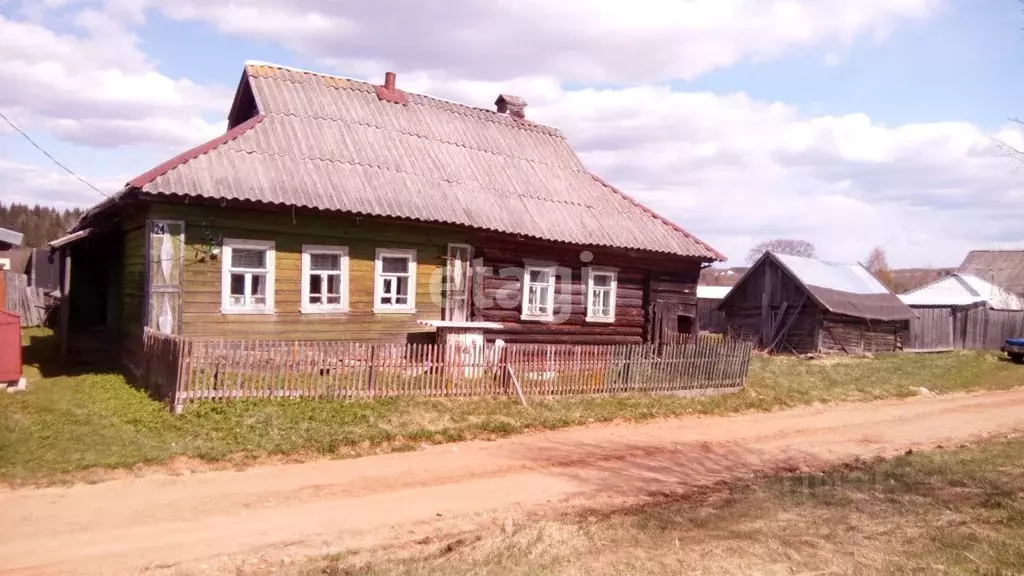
column 38, row 224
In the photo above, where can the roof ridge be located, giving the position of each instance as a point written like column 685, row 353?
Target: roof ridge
column 581, row 170
column 963, row 284
column 193, row 153
column 657, row 216
column 491, row 115
column 832, row 262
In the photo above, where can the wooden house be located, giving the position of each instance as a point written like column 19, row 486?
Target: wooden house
column 793, row 304
column 962, row 311
column 336, row 209
column 1002, row 268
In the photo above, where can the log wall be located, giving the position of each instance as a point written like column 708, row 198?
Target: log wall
column 857, row 335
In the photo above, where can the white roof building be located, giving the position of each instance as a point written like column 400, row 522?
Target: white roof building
column 712, row 292
column 962, row 290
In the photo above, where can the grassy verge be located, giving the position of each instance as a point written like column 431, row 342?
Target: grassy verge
column 65, row 424
column 944, row 512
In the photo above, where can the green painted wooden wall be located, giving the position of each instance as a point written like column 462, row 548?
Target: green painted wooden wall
column 201, row 316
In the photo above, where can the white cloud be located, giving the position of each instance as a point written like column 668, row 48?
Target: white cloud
column 32, row 184
column 98, row 89
column 736, row 170
column 730, row 168
column 606, row 41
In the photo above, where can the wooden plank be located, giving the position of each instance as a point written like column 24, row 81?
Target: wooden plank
column 65, row 301
column 515, row 384
column 372, row 373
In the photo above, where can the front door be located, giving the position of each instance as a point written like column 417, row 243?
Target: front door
column 165, row 248
column 458, row 275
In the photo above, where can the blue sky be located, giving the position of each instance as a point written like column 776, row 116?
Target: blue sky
column 849, row 123
column 964, row 63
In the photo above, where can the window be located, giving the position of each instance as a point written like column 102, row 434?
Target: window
column 247, row 277
column 395, row 281
column 601, row 287
column 539, row 293
column 324, row 279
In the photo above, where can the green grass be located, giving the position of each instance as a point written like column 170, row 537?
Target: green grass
column 67, row 424
column 943, row 512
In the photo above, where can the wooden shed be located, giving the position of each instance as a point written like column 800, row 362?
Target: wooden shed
column 801, row 305
column 962, row 311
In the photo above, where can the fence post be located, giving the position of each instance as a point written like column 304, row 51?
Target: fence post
column 181, row 375
column 371, row 374
column 627, row 366
column 144, row 368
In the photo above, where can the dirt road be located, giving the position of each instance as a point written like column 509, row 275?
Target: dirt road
column 210, row 521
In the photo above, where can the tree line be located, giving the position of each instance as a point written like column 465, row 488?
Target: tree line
column 39, row 224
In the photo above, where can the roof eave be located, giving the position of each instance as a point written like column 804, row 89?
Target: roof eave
column 70, row 239
column 712, row 254
column 10, row 238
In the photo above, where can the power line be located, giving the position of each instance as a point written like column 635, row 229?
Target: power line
column 55, row 161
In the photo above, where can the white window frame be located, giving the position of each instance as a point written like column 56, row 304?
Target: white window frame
column 614, row 289
column 551, row 270
column 227, row 246
column 304, row 305
column 378, row 281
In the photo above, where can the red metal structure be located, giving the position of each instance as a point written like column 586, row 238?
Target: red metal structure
column 10, row 348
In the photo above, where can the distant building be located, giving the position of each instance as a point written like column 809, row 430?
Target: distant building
column 1003, row 268
column 975, row 308
column 9, row 239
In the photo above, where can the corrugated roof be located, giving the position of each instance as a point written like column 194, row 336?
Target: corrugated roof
column 846, row 289
column 713, row 292
column 331, row 143
column 963, row 290
column 851, row 278
column 1004, row 268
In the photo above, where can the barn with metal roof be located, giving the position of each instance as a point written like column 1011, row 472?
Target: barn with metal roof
column 802, row 305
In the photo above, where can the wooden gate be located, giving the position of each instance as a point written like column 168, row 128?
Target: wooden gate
column 933, row 330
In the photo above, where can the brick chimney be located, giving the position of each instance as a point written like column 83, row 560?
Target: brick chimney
column 513, row 105
column 387, row 92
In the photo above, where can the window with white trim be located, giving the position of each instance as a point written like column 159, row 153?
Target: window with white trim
column 247, row 277
column 602, row 283
column 324, row 279
column 394, row 281
column 539, row 293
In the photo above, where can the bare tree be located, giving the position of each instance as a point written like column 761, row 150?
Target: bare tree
column 781, row 246
column 878, row 264
column 1009, row 149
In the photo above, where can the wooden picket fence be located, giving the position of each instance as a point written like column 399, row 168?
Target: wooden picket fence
column 181, row 370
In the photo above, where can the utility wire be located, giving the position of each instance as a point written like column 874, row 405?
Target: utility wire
column 55, row 161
